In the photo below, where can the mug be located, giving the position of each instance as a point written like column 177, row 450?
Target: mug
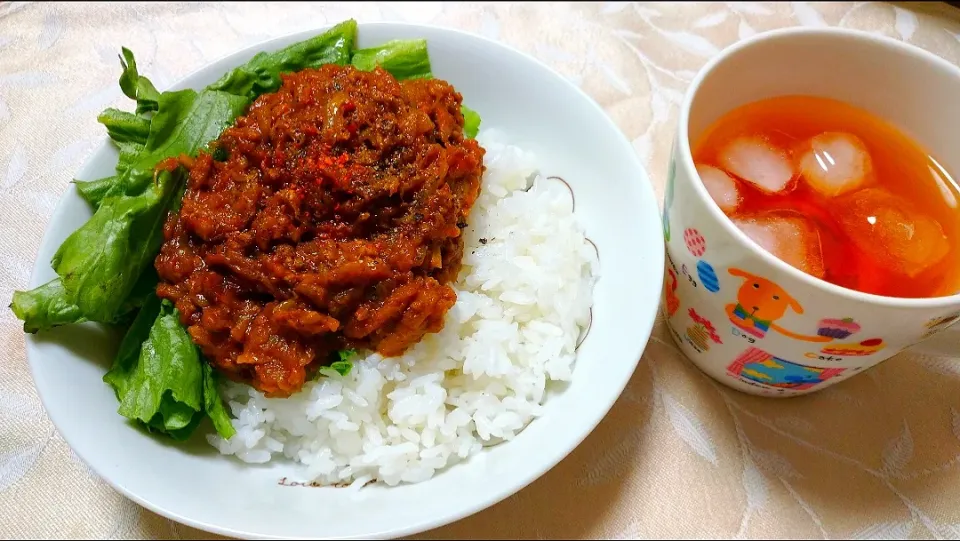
column 799, row 334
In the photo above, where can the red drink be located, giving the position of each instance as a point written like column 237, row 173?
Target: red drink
column 838, row 193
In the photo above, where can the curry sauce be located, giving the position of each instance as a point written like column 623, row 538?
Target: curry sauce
column 327, row 217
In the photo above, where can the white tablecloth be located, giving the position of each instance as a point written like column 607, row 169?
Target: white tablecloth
column 873, row 457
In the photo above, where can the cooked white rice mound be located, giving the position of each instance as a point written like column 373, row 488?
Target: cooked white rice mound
column 523, row 299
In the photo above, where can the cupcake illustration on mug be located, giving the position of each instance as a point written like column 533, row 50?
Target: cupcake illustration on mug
column 837, row 328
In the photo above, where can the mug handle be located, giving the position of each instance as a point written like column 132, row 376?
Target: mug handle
column 945, row 343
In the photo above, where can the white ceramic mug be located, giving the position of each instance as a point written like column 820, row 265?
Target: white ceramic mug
column 799, row 334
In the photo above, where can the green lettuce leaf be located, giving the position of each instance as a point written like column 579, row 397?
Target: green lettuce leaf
column 124, row 127
column 93, row 191
column 143, row 290
column 213, row 403
column 262, row 73
column 186, row 122
column 403, row 58
column 158, row 373
column 129, row 153
column 471, row 122
column 100, row 262
column 45, row 307
column 128, row 353
column 119, row 123
column 135, row 86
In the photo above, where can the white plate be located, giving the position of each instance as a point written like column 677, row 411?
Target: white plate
column 536, row 109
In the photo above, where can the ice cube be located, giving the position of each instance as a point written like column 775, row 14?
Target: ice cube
column 892, row 231
column 721, row 187
column 835, row 163
column 791, row 237
column 758, row 161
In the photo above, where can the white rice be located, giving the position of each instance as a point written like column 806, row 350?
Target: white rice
column 523, row 299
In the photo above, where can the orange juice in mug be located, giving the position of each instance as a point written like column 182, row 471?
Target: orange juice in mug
column 811, row 220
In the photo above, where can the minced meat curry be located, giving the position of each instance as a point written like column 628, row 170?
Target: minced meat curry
column 327, row 217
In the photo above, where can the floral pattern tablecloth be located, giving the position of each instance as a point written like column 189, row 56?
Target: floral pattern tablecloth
column 874, row 457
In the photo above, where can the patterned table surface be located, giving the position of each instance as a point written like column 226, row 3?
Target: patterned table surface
column 873, row 457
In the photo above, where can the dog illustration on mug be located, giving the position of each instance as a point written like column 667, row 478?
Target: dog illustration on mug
column 760, row 303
